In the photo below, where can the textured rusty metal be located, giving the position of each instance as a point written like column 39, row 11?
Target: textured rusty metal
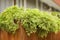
column 21, row 35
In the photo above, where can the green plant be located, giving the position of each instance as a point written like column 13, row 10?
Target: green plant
column 7, row 18
column 33, row 21
column 48, row 24
column 40, row 22
column 56, row 14
column 30, row 20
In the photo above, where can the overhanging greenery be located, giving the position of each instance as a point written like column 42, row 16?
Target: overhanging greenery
column 33, row 20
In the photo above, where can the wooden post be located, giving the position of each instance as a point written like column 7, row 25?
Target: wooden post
column 14, row 2
column 20, row 3
column 37, row 4
column 41, row 6
column 25, row 4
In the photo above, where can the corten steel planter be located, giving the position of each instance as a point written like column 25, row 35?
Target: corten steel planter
column 21, row 35
column 3, row 35
column 33, row 36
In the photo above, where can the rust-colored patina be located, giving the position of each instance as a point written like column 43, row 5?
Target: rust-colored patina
column 21, row 35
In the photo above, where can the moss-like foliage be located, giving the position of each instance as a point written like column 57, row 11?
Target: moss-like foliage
column 7, row 18
column 33, row 20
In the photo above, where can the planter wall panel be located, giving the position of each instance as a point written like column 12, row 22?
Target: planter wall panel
column 21, row 35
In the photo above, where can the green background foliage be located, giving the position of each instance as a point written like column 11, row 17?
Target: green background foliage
column 56, row 14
